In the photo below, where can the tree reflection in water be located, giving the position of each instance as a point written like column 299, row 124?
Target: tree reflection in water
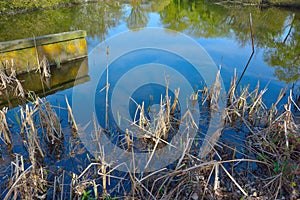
column 195, row 18
column 138, row 17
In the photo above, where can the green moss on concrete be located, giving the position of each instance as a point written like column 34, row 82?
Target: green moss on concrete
column 22, row 54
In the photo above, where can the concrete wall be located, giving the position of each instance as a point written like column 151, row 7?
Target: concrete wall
column 29, row 54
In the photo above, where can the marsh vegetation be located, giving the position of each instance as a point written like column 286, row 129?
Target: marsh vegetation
column 265, row 155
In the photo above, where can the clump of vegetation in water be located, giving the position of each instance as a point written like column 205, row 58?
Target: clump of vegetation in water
column 11, row 88
column 264, row 165
column 40, row 128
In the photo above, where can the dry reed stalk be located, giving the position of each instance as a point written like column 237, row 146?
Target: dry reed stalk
column 97, row 130
column 273, row 111
column 30, row 130
column 11, row 83
column 4, row 129
column 234, row 181
column 162, row 120
column 186, row 150
column 104, row 177
column 214, row 93
column 195, row 95
column 62, row 185
column 254, row 94
column 107, row 89
column 73, row 184
column 17, row 168
column 167, row 101
column 231, row 93
column 143, row 121
column 257, row 103
column 71, row 118
column 5, row 80
column 12, row 69
column 129, row 141
column 216, row 182
column 175, row 102
column 241, row 103
column 205, row 95
column 95, row 188
column 19, row 91
column 45, row 68
column 37, row 56
column 54, row 188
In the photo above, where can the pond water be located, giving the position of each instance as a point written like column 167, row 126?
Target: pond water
column 222, row 31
